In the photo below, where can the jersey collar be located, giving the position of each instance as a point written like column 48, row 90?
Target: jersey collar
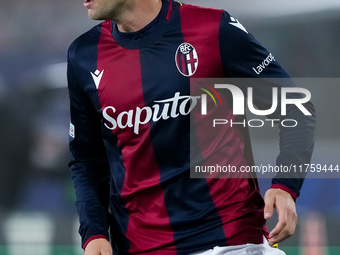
column 144, row 37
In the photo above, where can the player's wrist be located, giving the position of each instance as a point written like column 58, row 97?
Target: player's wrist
column 95, row 237
column 284, row 188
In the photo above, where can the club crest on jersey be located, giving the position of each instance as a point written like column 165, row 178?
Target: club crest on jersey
column 186, row 59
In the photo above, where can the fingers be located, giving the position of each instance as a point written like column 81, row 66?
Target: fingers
column 287, row 217
column 269, row 200
column 286, row 224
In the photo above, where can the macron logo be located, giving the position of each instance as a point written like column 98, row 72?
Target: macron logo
column 237, row 24
column 97, row 76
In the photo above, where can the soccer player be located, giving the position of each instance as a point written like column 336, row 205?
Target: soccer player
column 131, row 133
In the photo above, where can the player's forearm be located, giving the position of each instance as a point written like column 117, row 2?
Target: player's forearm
column 296, row 148
column 91, row 186
column 93, row 222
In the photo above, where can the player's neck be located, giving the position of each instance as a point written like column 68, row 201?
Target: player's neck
column 138, row 15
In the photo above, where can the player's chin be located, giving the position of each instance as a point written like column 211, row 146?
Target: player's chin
column 94, row 15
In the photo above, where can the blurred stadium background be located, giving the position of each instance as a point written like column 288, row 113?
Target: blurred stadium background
column 37, row 214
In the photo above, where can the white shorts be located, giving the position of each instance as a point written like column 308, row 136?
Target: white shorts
column 246, row 249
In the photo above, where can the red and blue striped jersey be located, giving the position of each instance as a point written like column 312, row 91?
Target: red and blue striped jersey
column 132, row 138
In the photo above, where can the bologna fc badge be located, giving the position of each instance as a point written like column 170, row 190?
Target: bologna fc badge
column 186, row 59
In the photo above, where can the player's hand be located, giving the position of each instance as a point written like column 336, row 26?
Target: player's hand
column 99, row 246
column 284, row 204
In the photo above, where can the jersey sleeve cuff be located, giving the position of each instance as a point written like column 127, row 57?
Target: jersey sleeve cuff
column 93, row 238
column 279, row 186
